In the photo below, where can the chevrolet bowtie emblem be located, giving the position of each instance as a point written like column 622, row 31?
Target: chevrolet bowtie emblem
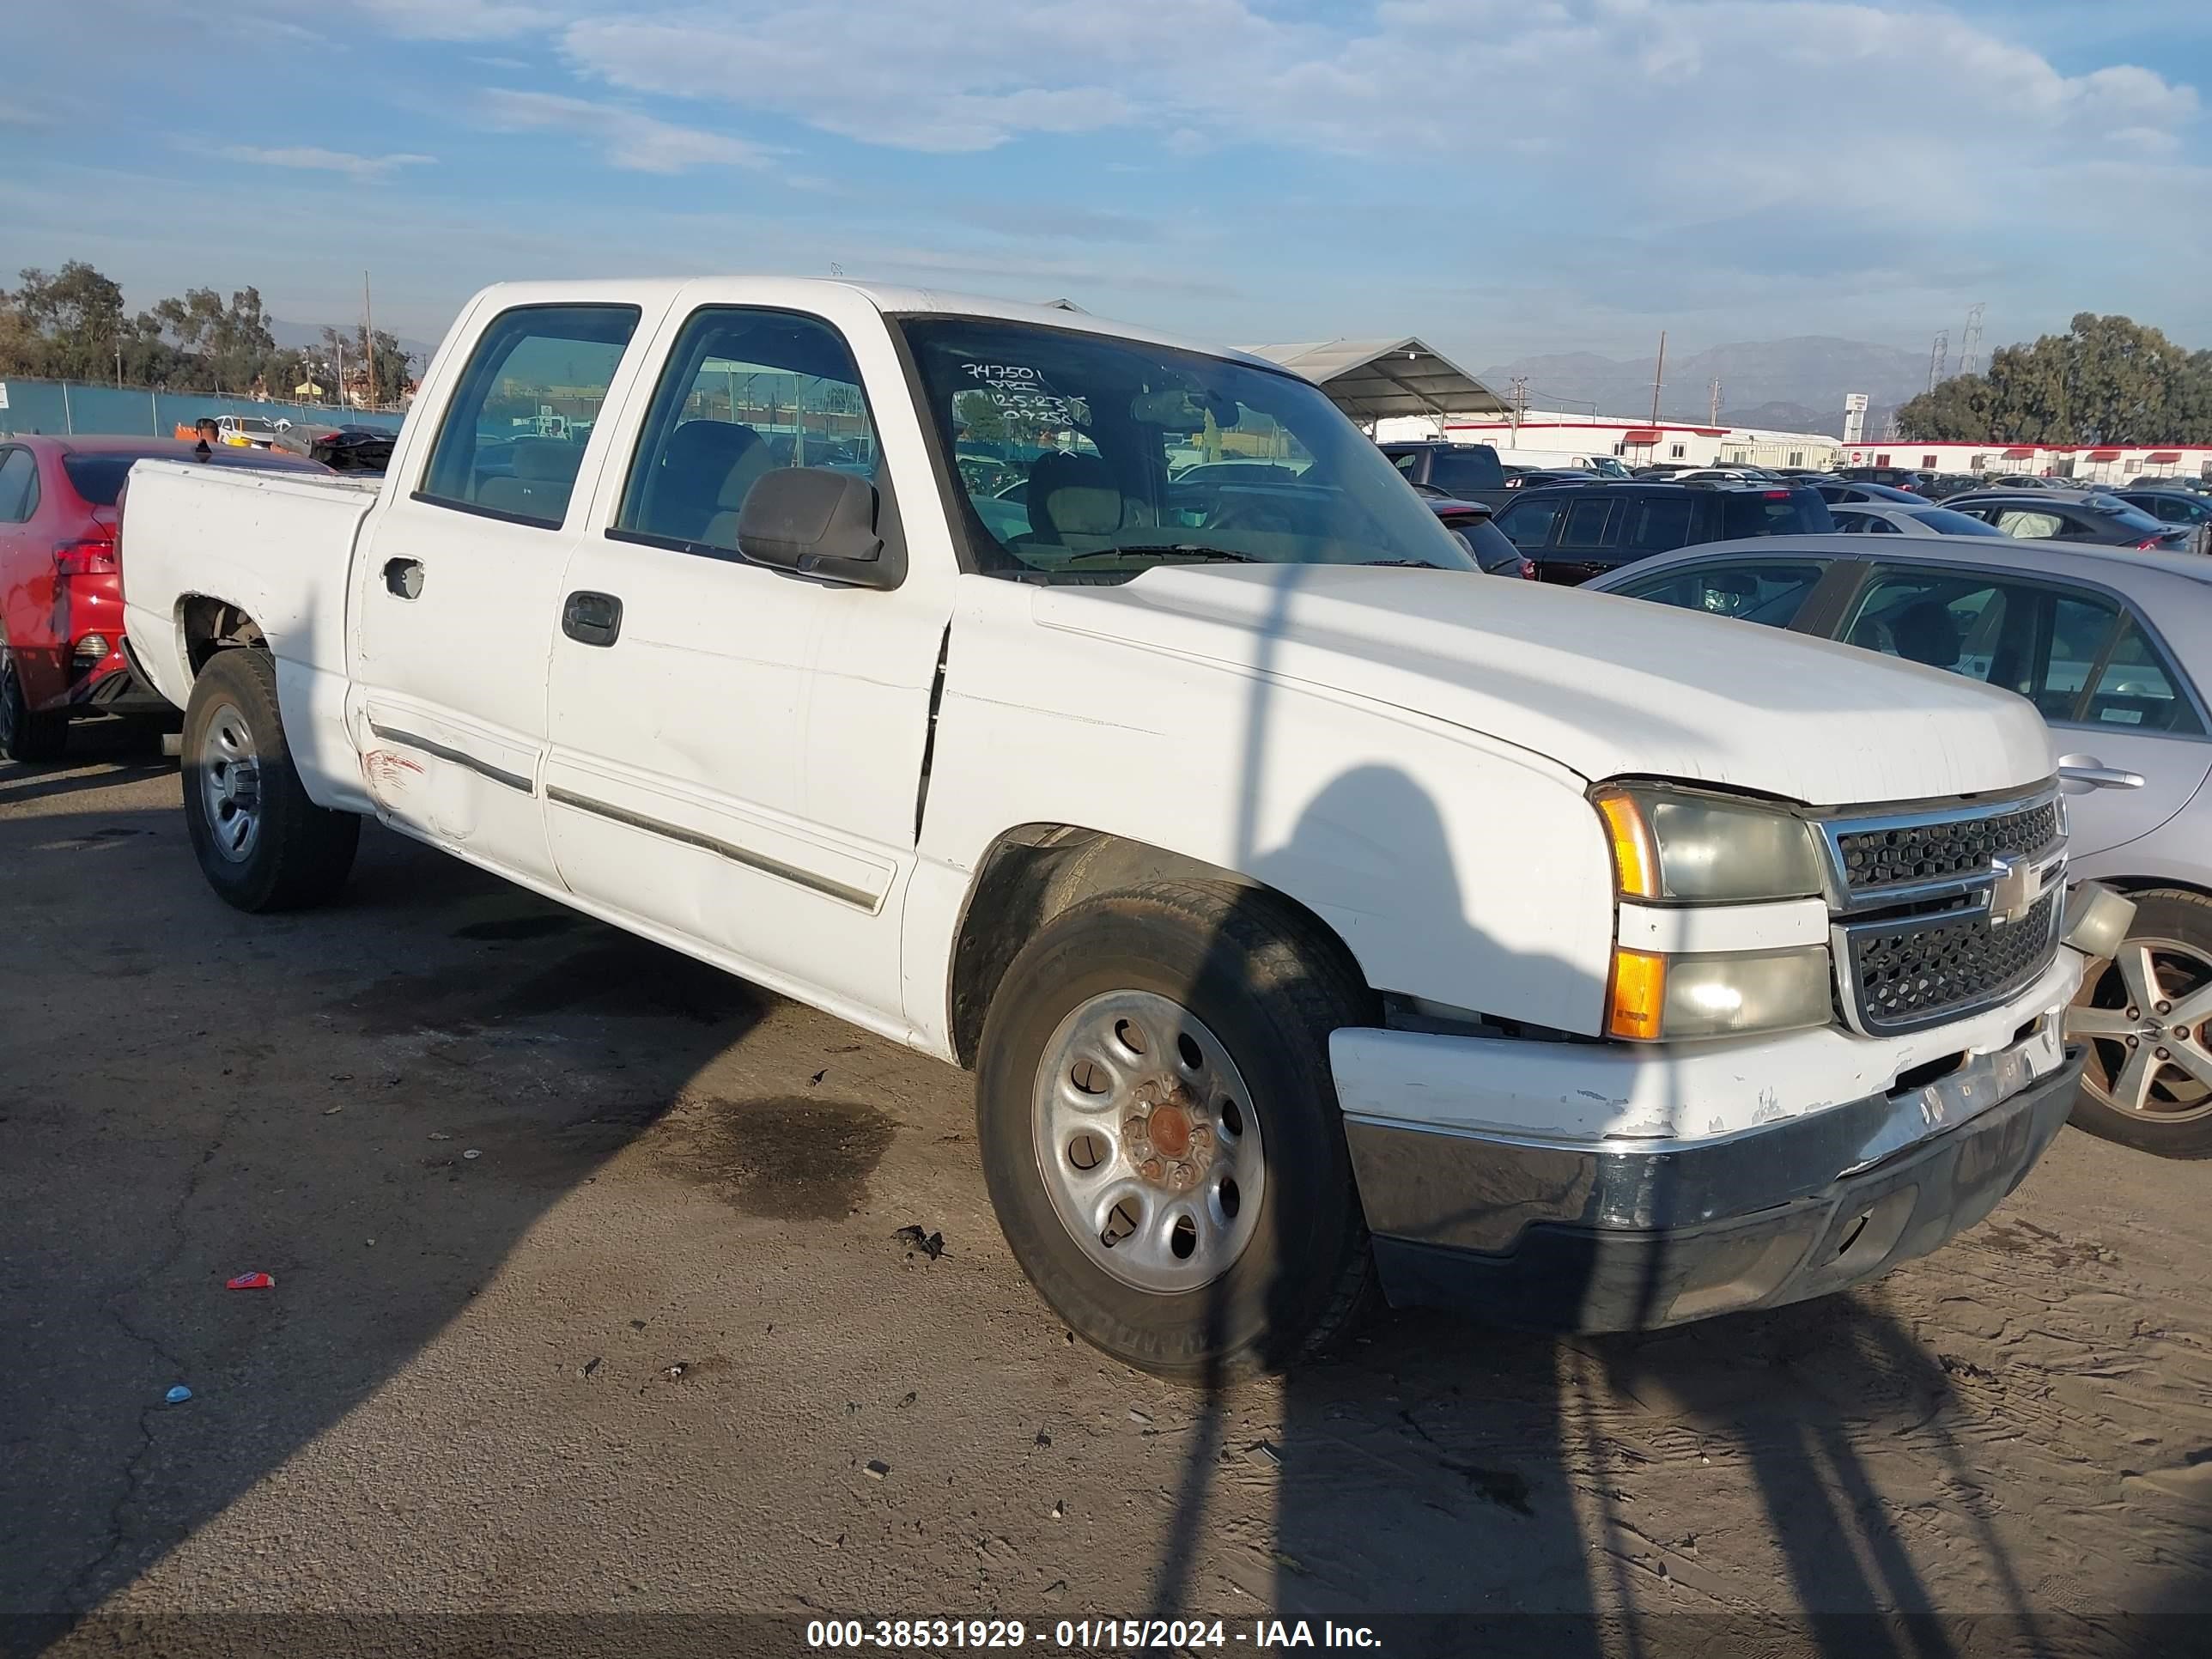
column 2019, row 885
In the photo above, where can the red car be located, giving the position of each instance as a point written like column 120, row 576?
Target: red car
column 61, row 589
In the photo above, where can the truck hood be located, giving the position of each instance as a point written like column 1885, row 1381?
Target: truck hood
column 1606, row 685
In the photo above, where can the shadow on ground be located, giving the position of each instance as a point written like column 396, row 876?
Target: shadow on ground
column 307, row 1096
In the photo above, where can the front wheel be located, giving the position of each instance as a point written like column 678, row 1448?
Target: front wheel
column 2146, row 1017
column 1161, row 1135
column 261, row 842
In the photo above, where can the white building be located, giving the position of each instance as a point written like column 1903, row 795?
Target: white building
column 1636, row 443
column 2108, row 464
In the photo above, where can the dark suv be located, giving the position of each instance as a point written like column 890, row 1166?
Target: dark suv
column 1572, row 532
column 1469, row 473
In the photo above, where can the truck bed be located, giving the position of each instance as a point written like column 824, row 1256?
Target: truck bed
column 276, row 545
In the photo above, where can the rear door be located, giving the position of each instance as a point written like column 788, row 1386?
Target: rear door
column 2085, row 655
column 457, row 583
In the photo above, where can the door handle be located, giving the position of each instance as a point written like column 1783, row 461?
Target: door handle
column 403, row 578
column 2080, row 774
column 592, row 618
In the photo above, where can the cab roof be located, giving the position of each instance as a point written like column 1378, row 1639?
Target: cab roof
column 890, row 299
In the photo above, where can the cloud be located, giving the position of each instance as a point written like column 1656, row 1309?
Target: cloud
column 632, row 141
column 461, row 19
column 1766, row 93
column 310, row 160
column 912, row 76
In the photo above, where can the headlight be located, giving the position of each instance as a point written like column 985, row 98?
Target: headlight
column 1663, row 999
column 1676, row 844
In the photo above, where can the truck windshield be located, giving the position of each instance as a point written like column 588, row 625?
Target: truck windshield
column 1082, row 456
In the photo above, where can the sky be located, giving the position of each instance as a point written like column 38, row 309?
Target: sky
column 1500, row 177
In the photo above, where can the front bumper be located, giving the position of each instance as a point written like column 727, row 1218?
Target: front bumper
column 1628, row 1235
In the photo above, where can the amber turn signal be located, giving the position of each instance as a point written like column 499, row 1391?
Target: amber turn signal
column 1636, row 999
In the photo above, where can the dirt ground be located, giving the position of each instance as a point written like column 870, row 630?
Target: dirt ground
column 589, row 1300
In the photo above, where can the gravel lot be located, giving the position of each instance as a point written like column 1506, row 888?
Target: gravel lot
column 589, row 1299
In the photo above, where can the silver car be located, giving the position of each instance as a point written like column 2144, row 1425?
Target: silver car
column 2115, row 648
column 1895, row 519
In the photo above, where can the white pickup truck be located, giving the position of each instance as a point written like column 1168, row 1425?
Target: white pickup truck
column 1316, row 913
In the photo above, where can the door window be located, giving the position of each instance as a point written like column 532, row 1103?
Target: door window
column 19, row 486
column 1465, row 467
column 512, row 438
column 1954, row 622
column 1586, row 519
column 2027, row 523
column 1772, row 594
column 1529, row 523
column 745, row 391
column 2079, row 656
column 2138, row 687
column 1773, row 513
column 1660, row 524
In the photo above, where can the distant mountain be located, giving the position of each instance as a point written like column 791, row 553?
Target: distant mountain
column 1782, row 417
column 293, row 336
column 1809, row 372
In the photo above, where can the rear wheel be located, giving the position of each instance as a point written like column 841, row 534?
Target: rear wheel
column 1161, row 1135
column 262, row 844
column 25, row 735
column 2146, row 1017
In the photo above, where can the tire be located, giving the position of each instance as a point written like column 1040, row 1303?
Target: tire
column 2129, row 1094
column 1256, row 987
column 25, row 735
column 262, row 844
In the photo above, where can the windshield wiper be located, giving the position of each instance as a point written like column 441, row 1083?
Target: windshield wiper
column 1401, row 564
column 1191, row 550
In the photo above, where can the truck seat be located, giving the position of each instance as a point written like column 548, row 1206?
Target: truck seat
column 543, row 478
column 1072, row 495
column 706, row 468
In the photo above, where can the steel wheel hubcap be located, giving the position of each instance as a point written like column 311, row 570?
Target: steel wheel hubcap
column 1148, row 1142
column 230, row 783
column 2144, row 1016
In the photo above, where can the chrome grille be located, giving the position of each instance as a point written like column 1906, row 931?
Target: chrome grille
column 1883, row 857
column 1903, row 974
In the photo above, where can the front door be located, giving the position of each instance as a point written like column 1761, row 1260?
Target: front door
column 737, row 751
column 459, row 581
column 2113, row 696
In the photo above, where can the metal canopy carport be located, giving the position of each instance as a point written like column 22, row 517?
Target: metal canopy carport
column 1370, row 379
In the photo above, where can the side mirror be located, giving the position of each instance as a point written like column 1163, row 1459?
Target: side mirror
column 814, row 521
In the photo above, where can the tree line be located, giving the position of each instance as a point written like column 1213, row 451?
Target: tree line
column 2105, row 381
column 71, row 325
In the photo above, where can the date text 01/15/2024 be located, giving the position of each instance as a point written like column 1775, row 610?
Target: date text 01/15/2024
column 1080, row 1635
